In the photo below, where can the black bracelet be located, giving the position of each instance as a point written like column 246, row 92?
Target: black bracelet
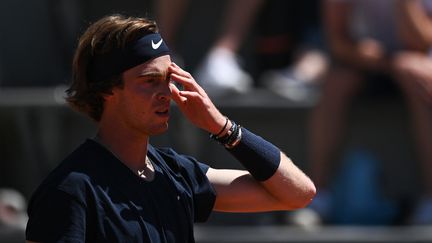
column 231, row 138
column 235, row 139
column 225, row 139
column 223, row 129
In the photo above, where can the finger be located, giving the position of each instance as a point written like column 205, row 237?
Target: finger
column 186, row 82
column 175, row 94
column 180, row 70
column 189, row 95
column 185, row 79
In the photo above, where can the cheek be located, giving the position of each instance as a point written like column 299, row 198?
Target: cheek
column 138, row 99
column 140, row 104
column 145, row 92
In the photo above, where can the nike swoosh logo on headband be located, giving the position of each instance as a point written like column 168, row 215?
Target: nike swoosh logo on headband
column 156, row 45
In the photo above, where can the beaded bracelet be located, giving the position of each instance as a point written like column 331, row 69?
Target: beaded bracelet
column 235, row 139
column 231, row 138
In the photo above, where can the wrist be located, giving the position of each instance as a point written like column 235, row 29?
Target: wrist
column 221, row 127
column 226, row 128
column 258, row 156
column 230, row 135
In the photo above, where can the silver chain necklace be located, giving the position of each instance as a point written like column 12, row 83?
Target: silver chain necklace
column 141, row 173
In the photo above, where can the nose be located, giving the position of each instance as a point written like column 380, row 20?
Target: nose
column 164, row 93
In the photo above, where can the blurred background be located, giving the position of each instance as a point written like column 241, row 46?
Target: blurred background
column 344, row 87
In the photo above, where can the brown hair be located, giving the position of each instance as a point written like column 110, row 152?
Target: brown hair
column 86, row 93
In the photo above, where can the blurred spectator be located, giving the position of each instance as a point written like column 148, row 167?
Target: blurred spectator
column 374, row 43
column 220, row 71
column 292, row 56
column 224, row 69
column 170, row 16
column 12, row 209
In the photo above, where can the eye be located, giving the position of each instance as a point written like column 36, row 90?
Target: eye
column 150, row 80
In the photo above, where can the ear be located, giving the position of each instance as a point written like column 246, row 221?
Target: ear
column 109, row 95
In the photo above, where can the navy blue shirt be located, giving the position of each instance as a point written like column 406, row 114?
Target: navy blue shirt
column 93, row 197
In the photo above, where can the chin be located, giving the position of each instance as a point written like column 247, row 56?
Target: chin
column 159, row 130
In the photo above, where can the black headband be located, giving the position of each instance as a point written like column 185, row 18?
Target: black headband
column 121, row 59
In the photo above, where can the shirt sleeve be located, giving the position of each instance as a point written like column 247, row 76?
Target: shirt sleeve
column 56, row 216
column 204, row 193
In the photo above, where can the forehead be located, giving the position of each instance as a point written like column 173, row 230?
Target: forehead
column 157, row 65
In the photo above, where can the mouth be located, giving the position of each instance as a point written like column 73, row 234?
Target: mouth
column 163, row 112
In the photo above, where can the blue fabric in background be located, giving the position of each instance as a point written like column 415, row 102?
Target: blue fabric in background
column 357, row 192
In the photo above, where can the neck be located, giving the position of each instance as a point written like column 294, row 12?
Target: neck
column 130, row 148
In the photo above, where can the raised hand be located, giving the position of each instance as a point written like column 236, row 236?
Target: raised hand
column 194, row 102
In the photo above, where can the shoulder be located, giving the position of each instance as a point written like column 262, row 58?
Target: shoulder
column 73, row 175
column 178, row 161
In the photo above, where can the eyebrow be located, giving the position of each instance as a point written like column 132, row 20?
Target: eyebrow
column 150, row 74
column 154, row 74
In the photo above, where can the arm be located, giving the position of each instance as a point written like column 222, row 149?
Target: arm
column 414, row 24
column 366, row 54
column 237, row 191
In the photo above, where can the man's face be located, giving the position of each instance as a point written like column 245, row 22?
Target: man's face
column 144, row 101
